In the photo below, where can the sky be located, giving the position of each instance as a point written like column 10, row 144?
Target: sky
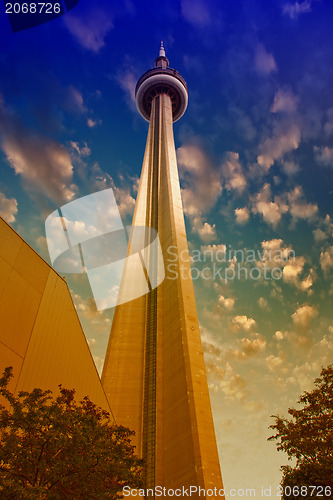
column 255, row 156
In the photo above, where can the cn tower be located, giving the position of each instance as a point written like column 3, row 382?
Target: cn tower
column 154, row 373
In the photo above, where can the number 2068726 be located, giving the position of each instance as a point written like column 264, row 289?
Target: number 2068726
column 33, row 8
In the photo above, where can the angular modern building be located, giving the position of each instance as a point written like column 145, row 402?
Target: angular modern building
column 154, row 373
column 40, row 333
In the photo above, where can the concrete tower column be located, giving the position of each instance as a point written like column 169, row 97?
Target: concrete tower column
column 154, row 373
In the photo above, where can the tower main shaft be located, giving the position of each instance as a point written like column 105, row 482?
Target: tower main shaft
column 154, row 373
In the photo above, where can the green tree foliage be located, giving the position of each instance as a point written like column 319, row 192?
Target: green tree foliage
column 308, row 439
column 56, row 448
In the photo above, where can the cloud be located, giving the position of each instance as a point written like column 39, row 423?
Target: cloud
column 83, row 150
column 292, row 202
column 279, row 335
column 264, row 61
column 273, row 362
column 292, row 274
column 242, row 215
column 232, row 384
column 303, row 316
column 44, row 165
column 271, row 211
column 196, row 12
column 275, row 147
column 249, row 348
column 206, row 231
column 122, row 191
column 89, row 27
column 319, row 235
column 284, row 102
column 92, row 123
column 262, row 302
column 290, row 168
column 275, row 254
column 127, row 79
column 201, row 188
column 293, row 10
column 99, row 363
column 324, row 156
column 233, row 173
column 213, row 249
column 328, row 127
column 201, row 177
column 227, row 303
column 74, row 100
column 8, row 208
column 298, row 207
column 326, row 259
column 243, row 323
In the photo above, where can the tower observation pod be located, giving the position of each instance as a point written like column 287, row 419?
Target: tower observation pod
column 161, row 80
column 154, row 373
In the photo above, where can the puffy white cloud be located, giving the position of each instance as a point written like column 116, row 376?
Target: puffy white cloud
column 293, row 269
column 8, row 208
column 213, row 250
column 298, row 207
column 242, row 215
column 249, row 347
column 303, row 316
column 279, row 335
column 227, row 303
column 206, row 231
column 293, row 10
column 264, row 61
column 292, row 274
column 324, row 155
column 243, row 322
column 233, row 173
column 326, row 259
column 90, row 27
column 271, row 211
column 284, row 101
column 275, row 147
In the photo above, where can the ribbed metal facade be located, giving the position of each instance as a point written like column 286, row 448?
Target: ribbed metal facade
column 40, row 334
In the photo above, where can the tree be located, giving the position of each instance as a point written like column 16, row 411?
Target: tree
column 56, row 448
column 308, row 438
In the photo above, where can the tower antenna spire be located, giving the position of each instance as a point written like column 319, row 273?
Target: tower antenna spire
column 162, row 50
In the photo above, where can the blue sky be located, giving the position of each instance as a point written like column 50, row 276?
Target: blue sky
column 255, row 153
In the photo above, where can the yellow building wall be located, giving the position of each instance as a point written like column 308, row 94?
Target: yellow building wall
column 40, row 334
